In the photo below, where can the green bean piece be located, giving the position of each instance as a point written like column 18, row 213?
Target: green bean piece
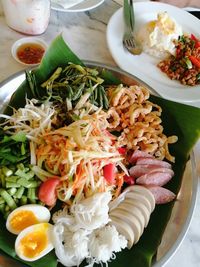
column 23, row 200
column 12, row 179
column 19, row 192
column 31, row 194
column 27, row 183
column 12, row 168
column 2, row 200
column 8, row 199
column 12, row 185
column 2, row 208
column 23, row 182
column 12, row 191
column 7, row 172
column 3, row 180
column 23, row 149
column 32, row 184
column 26, row 175
column 7, row 208
column 21, row 167
column 32, row 201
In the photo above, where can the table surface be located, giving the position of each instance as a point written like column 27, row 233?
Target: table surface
column 86, row 35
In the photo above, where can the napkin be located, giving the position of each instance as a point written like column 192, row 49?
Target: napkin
column 67, row 3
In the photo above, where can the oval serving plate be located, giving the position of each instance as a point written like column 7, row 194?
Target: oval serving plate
column 184, row 206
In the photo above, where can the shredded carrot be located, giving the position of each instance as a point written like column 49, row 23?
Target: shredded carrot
column 119, row 183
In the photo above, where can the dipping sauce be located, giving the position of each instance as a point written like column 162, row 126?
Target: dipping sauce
column 30, row 53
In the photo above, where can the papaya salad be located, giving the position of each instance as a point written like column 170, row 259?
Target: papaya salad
column 82, row 166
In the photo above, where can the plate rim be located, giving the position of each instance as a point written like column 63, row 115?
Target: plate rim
column 76, row 7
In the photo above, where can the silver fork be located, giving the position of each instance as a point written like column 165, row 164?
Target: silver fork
column 129, row 41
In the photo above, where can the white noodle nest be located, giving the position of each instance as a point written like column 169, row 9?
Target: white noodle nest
column 84, row 233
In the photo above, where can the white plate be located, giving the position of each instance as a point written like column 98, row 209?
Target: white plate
column 144, row 66
column 81, row 7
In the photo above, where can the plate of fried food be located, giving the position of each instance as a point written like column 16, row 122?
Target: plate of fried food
column 94, row 167
column 170, row 61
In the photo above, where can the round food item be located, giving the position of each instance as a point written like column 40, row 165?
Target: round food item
column 134, row 210
column 34, row 242
column 124, row 229
column 143, row 191
column 25, row 216
column 139, row 198
column 144, row 210
column 131, row 220
column 162, row 195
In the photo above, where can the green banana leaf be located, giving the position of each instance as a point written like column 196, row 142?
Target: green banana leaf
column 178, row 119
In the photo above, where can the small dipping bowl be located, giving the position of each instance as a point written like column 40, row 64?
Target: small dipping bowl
column 29, row 51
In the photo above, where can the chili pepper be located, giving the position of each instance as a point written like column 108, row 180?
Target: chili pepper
column 195, row 61
column 197, row 41
column 193, row 37
column 197, row 44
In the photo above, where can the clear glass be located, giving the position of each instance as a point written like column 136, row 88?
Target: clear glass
column 30, row 17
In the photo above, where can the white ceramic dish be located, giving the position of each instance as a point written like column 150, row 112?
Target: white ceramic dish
column 26, row 40
column 144, row 66
column 81, row 7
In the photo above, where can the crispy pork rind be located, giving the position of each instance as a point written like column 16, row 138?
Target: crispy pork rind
column 139, row 121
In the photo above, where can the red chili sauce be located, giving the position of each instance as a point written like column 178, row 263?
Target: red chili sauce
column 30, row 53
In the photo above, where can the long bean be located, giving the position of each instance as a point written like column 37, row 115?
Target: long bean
column 17, row 189
column 8, row 199
column 78, row 92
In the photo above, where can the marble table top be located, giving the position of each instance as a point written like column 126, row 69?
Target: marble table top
column 86, row 35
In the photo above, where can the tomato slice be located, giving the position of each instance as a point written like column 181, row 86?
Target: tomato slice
column 47, row 191
column 109, row 173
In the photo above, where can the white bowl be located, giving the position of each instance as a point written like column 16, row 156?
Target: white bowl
column 27, row 40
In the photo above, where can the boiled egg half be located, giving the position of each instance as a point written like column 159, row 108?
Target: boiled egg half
column 25, row 216
column 34, row 242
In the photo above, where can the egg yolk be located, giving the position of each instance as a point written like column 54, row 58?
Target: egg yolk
column 33, row 243
column 22, row 219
